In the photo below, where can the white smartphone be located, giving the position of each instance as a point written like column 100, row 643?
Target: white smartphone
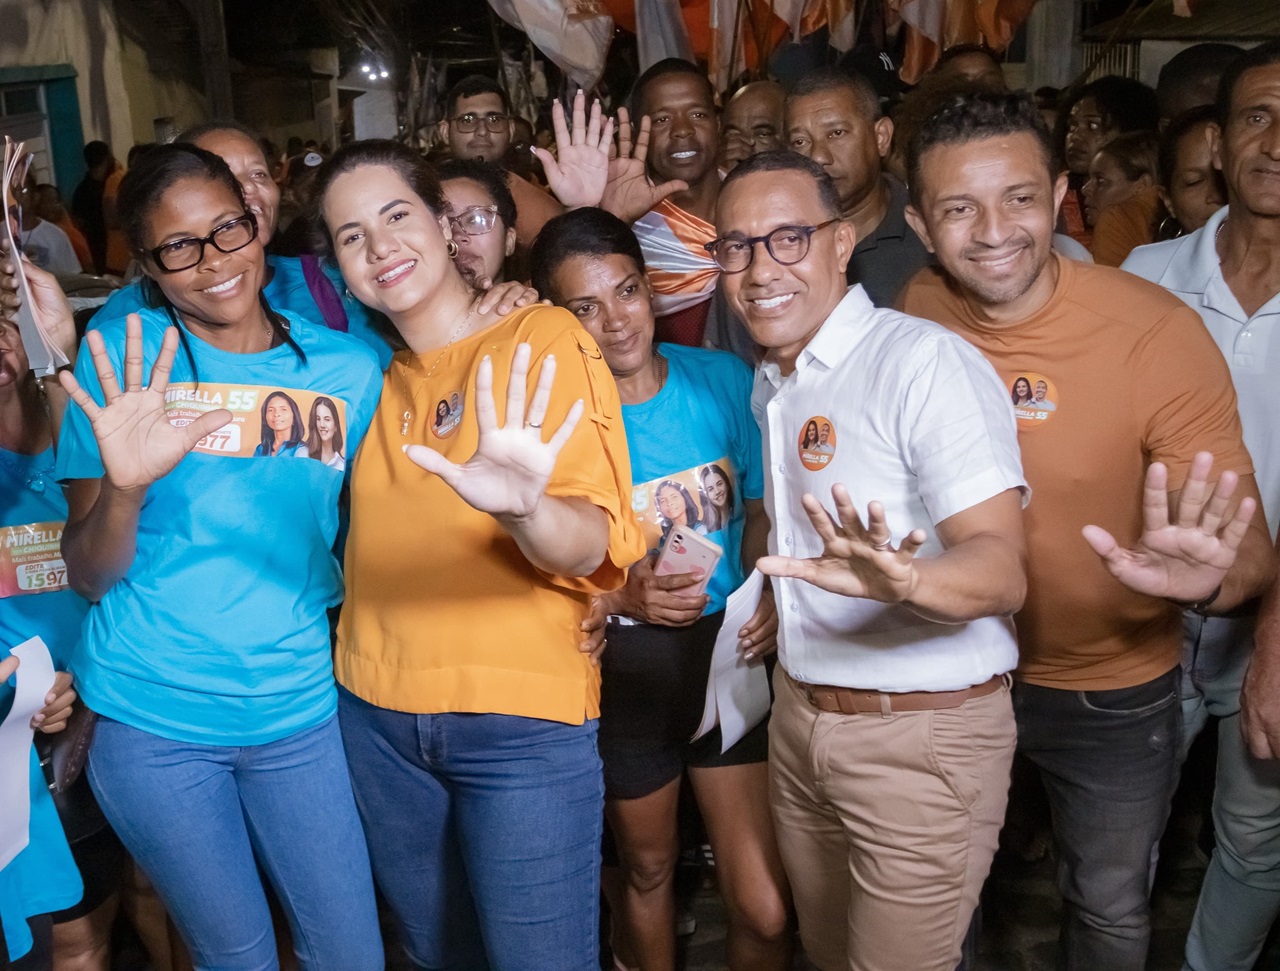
column 688, row 551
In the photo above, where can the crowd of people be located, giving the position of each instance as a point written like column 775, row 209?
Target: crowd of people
column 1007, row 464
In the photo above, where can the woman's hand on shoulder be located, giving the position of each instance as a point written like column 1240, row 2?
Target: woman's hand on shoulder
column 502, row 298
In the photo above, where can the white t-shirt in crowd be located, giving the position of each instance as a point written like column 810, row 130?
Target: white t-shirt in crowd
column 49, row 248
column 920, row 422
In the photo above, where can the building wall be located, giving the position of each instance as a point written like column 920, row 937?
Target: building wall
column 151, row 97
column 82, row 33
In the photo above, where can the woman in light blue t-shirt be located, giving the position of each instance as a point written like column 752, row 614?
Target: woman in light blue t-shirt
column 204, row 537
column 695, row 461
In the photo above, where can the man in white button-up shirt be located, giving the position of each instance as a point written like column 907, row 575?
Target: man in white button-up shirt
column 1227, row 271
column 892, row 733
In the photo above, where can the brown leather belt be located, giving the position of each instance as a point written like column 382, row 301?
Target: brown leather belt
column 853, row 701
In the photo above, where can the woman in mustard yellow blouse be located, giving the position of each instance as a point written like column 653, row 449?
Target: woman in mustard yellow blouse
column 468, row 712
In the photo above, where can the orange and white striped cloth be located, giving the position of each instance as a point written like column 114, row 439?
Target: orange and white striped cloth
column 682, row 273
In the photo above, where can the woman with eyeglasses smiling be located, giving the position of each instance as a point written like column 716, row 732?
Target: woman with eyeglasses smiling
column 206, row 651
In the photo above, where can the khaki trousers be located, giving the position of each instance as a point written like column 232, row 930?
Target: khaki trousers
column 887, row 825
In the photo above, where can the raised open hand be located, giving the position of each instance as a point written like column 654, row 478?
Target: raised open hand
column 508, row 474
column 629, row 194
column 856, row 561
column 136, row 441
column 1184, row 559
column 577, row 172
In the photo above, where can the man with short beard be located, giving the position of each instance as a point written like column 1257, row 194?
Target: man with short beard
column 1228, row 272
column 1142, row 398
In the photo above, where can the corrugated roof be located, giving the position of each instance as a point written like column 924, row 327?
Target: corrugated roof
column 1220, row 20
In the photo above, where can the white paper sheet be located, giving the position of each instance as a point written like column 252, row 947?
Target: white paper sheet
column 35, row 678
column 737, row 690
column 42, row 354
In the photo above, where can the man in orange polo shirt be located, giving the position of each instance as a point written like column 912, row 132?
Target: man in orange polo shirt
column 1140, row 394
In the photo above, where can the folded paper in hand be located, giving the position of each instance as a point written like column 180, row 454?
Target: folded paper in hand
column 44, row 356
column 737, row 690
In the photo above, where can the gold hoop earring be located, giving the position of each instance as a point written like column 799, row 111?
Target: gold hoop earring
column 451, row 248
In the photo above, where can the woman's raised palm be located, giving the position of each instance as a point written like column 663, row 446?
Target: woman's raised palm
column 508, row 473
column 137, row 443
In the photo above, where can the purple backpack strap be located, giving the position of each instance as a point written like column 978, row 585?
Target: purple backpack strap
column 324, row 294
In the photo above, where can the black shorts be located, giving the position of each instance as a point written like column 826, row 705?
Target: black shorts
column 654, row 684
column 101, row 860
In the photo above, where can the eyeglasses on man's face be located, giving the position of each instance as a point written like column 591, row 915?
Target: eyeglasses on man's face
column 494, row 121
column 787, row 245
column 183, row 254
column 475, row 220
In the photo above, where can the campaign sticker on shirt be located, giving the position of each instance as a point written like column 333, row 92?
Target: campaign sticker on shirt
column 265, row 422
column 701, row 498
column 1035, row 398
column 447, row 415
column 31, row 559
column 817, row 443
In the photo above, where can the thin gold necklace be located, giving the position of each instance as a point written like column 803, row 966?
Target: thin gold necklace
column 407, row 417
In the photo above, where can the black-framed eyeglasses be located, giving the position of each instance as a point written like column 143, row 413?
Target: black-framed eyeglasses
column 183, row 254
column 734, row 252
column 469, row 122
column 475, row 220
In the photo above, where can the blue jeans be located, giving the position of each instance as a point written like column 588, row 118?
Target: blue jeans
column 1109, row 763
column 484, row 832
column 1240, row 897
column 200, row 819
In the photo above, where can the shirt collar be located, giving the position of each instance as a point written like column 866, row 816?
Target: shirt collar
column 835, row 339
column 893, row 225
column 1195, row 263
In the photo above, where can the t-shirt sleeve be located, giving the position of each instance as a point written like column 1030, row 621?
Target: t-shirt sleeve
column 78, row 456
column 594, row 464
column 1184, row 399
column 1119, row 231
column 62, row 255
column 747, row 433
column 961, row 436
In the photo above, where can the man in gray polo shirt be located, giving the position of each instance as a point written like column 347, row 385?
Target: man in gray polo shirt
column 1229, row 271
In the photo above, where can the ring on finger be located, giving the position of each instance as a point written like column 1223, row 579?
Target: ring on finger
column 533, row 424
column 882, row 546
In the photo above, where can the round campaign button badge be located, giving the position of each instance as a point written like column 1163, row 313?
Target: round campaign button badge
column 817, row 443
column 447, row 415
column 1035, row 398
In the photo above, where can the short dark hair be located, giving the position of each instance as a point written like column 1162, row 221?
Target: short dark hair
column 579, row 232
column 1174, row 132
column 976, row 116
column 95, row 153
column 1135, row 152
column 783, row 160
column 1264, row 55
column 157, row 171
column 857, row 85
column 1125, row 103
column 1192, row 67
column 663, row 68
column 490, row 177
column 469, row 87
